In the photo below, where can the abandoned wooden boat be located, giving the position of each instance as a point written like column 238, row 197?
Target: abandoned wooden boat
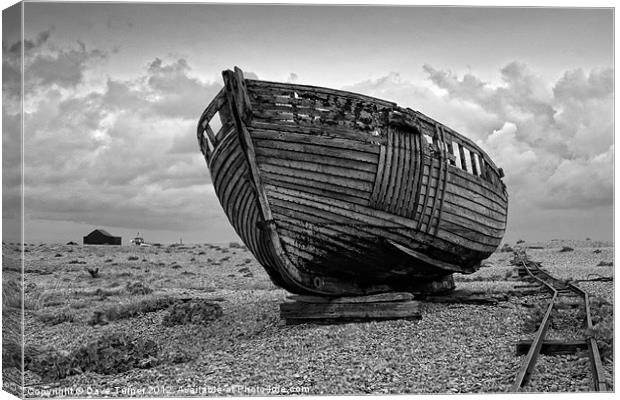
column 337, row 193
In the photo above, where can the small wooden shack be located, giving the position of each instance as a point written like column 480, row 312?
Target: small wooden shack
column 100, row 236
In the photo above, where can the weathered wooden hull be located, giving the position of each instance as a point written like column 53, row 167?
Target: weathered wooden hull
column 337, row 193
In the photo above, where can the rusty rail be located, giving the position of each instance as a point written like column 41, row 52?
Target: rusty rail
column 553, row 285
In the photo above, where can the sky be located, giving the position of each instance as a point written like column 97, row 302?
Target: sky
column 113, row 93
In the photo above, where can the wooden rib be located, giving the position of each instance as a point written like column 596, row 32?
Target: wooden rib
column 443, row 182
column 210, row 134
column 376, row 190
column 394, row 173
column 426, row 193
column 232, row 185
column 417, row 182
column 440, row 160
column 474, row 168
column 233, row 162
column 386, row 173
column 406, row 179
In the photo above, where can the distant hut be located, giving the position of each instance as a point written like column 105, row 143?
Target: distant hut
column 100, row 236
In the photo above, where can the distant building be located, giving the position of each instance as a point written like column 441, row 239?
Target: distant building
column 100, row 236
column 138, row 240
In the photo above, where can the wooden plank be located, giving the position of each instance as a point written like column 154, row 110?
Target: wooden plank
column 347, row 182
column 358, row 228
column 319, row 130
column 314, row 238
column 424, row 258
column 462, row 238
column 475, row 203
column 319, row 150
column 472, row 216
column 467, row 181
column 315, row 166
column 374, row 298
column 294, row 311
column 552, row 347
column 324, row 191
column 254, row 84
column 327, row 141
column 324, row 160
column 463, row 226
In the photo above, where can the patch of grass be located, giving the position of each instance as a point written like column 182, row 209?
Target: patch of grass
column 11, row 293
column 102, row 293
column 129, row 310
column 603, row 326
column 535, row 317
column 192, row 312
column 605, row 264
column 137, row 288
column 36, row 301
column 111, row 354
column 57, row 317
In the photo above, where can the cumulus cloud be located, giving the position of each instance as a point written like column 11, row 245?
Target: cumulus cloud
column 292, row 78
column 123, row 154
column 554, row 140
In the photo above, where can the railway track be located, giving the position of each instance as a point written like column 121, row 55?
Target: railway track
column 562, row 293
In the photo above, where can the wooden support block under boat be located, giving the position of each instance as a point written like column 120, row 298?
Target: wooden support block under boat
column 314, row 309
column 374, row 298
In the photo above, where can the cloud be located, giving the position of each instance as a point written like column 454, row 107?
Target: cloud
column 123, row 154
column 292, row 78
column 553, row 139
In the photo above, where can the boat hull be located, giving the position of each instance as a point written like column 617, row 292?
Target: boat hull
column 337, row 193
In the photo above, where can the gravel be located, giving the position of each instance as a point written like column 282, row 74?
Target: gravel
column 454, row 348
